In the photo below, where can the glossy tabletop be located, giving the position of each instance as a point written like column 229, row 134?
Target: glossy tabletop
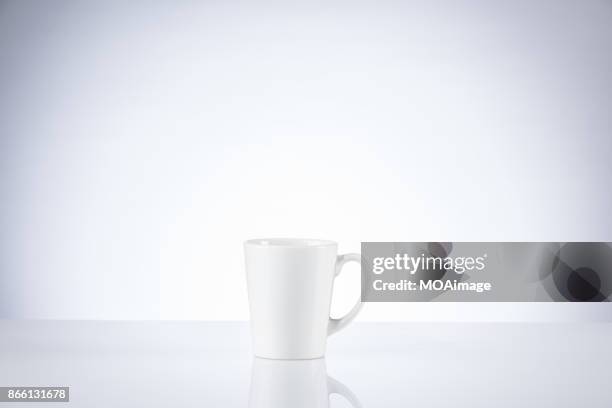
column 204, row 364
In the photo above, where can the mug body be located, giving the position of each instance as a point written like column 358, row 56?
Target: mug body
column 290, row 287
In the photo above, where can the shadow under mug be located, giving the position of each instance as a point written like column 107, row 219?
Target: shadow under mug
column 295, row 384
column 290, row 284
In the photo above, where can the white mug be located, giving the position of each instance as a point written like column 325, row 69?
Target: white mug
column 294, row 384
column 290, row 284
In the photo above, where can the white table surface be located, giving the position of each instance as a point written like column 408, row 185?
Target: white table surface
column 203, row 364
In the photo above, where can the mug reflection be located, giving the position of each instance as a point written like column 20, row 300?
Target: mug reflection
column 294, row 383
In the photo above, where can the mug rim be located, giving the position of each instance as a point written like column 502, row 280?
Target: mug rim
column 289, row 242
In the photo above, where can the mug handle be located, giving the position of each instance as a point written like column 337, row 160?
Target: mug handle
column 336, row 387
column 338, row 324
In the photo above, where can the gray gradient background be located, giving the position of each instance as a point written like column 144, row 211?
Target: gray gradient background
column 142, row 142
